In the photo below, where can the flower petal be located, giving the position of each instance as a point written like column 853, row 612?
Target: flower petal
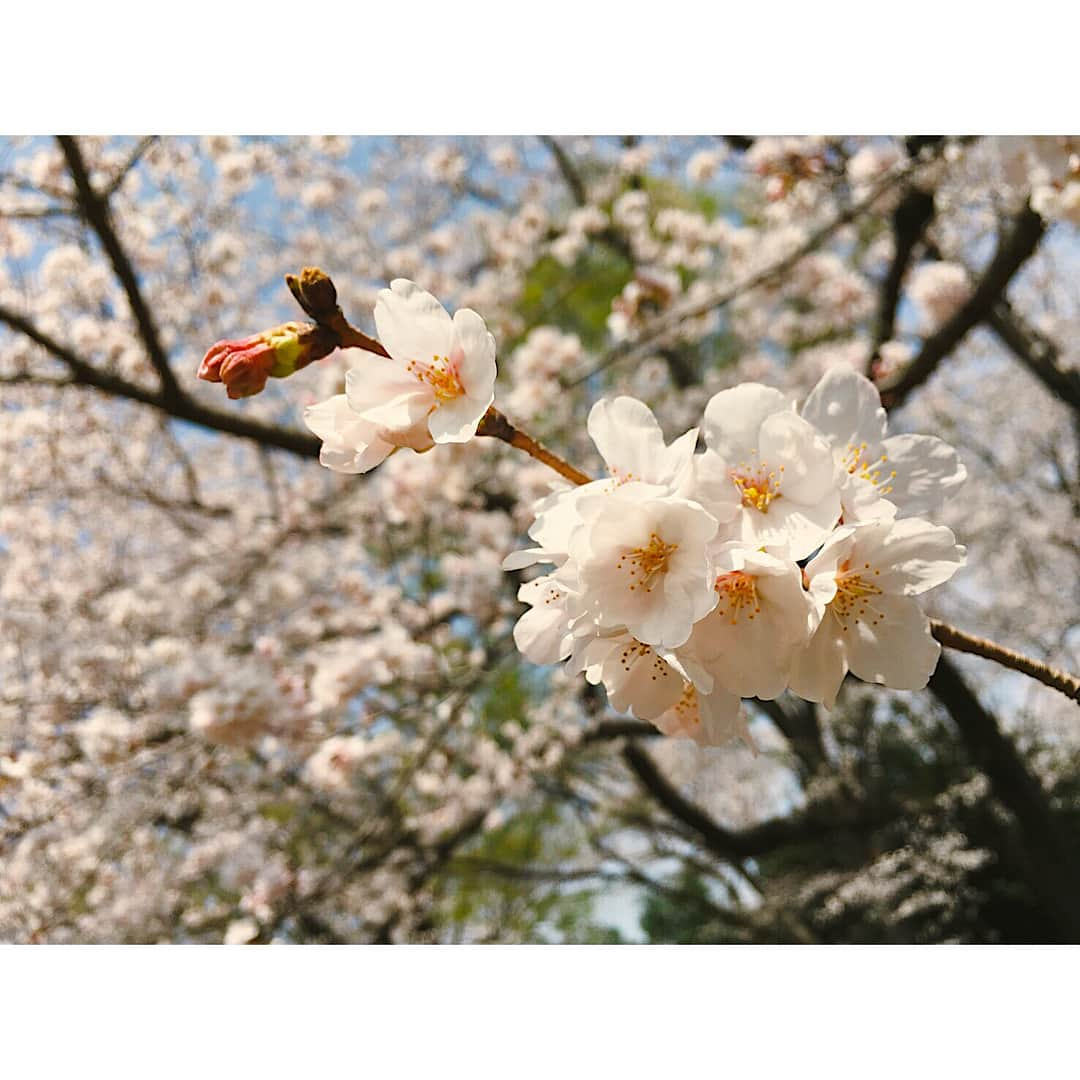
column 819, row 669
column 927, row 471
column 350, row 443
column 896, row 649
column 412, row 324
column 627, row 435
column 456, row 421
column 734, row 417
column 845, row 407
column 477, row 365
column 911, row 554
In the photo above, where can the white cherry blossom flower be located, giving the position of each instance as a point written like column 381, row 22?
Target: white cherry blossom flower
column 863, row 583
column 882, row 477
column 633, row 448
column 642, row 563
column 709, row 719
column 632, row 445
column 748, row 641
column 352, row 444
column 435, row 386
column 543, row 633
column 772, row 465
column 637, row 677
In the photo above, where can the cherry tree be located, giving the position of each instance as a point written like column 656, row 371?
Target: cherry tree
column 712, row 566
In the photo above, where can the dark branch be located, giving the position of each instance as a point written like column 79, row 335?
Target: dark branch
column 1036, row 352
column 566, row 167
column 910, row 219
column 183, row 408
column 95, row 209
column 1014, row 249
column 1052, row 859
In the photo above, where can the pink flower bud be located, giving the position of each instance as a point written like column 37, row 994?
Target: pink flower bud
column 244, row 366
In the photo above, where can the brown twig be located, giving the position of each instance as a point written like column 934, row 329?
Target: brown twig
column 496, row 426
column 953, row 638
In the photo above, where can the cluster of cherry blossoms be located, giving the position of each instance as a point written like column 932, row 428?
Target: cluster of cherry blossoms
column 783, row 556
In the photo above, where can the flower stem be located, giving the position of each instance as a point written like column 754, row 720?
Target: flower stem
column 495, row 425
column 954, row 638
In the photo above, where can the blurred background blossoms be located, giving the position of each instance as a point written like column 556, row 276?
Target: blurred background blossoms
column 244, row 698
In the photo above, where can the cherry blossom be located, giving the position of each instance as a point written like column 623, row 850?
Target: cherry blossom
column 863, row 583
column 882, row 477
column 434, row 387
column 773, row 465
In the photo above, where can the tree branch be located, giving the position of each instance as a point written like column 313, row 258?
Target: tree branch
column 1036, row 352
column 1014, row 249
column 909, row 222
column 183, row 408
column 1051, row 857
column 956, row 639
column 566, row 167
column 722, row 296
column 95, row 209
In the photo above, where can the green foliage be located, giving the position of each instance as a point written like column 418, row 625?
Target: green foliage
column 576, row 299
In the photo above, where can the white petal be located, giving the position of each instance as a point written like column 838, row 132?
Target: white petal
column 734, row 417
column 477, row 365
column 543, row 633
column 350, row 443
column 912, row 555
column 722, row 720
column 412, row 324
column 710, row 484
column 378, row 381
column 809, row 467
column 819, row 669
column 638, row 680
column 518, row 560
column 896, row 649
column 927, row 471
column 802, row 529
column 627, row 435
column 456, row 421
column 846, row 407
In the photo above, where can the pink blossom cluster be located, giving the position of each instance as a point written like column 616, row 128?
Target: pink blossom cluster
column 786, row 554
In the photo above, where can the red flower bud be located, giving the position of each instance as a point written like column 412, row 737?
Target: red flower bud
column 244, row 366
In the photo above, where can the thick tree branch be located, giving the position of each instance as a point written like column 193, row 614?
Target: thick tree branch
column 183, row 408
column 566, row 167
column 1036, row 352
column 1052, row 858
column 1014, row 249
column 95, row 209
column 909, row 221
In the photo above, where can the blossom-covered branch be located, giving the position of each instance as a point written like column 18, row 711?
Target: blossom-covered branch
column 661, row 571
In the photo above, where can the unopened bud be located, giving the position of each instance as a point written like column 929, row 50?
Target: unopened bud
column 244, row 366
column 314, row 292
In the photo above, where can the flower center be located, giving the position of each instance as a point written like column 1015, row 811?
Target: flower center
column 858, row 463
column 638, row 650
column 854, row 595
column 737, row 590
column 441, row 375
column 758, row 485
column 686, row 708
column 647, row 563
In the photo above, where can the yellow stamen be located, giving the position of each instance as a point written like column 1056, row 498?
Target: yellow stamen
column 647, row 563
